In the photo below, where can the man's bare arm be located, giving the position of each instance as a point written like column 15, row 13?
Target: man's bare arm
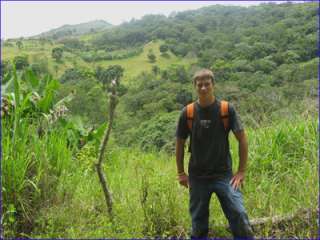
column 243, row 156
column 180, row 154
column 243, row 150
column 182, row 177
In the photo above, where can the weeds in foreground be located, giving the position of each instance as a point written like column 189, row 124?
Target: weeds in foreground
column 281, row 179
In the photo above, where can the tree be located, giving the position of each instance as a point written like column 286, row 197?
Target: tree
column 290, row 57
column 38, row 68
column 184, row 97
column 155, row 70
column 105, row 76
column 205, row 60
column 151, row 57
column 181, row 49
column 265, row 65
column 72, row 43
column 20, row 62
column 19, row 44
column 6, row 67
column 114, row 73
column 71, row 74
column 222, row 69
column 57, row 53
column 164, row 48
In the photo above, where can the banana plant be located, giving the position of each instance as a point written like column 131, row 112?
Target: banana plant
column 28, row 97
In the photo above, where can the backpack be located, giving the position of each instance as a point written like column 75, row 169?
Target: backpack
column 224, row 114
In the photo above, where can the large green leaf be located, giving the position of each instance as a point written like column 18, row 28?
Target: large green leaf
column 8, row 84
column 46, row 102
column 16, row 85
column 98, row 133
column 64, row 100
column 32, row 79
column 26, row 102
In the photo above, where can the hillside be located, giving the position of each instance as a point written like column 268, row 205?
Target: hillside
column 253, row 51
column 75, row 30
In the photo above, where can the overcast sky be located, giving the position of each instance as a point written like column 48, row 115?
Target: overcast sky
column 33, row 17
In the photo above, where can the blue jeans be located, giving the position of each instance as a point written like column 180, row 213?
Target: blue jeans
column 230, row 201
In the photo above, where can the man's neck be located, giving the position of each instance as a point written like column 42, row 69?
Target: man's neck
column 204, row 102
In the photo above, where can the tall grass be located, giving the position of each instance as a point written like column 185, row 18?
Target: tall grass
column 31, row 168
column 281, row 179
column 16, row 165
column 32, row 162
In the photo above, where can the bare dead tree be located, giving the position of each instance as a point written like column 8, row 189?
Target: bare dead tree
column 102, row 178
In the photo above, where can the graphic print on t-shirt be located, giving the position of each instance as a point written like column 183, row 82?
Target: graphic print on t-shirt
column 205, row 123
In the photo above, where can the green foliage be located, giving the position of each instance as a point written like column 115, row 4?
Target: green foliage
column 290, row 57
column 46, row 102
column 154, row 98
column 180, row 49
column 105, row 76
column 184, row 97
column 110, row 54
column 27, row 180
column 70, row 44
column 6, row 68
column 30, row 97
column 19, row 44
column 155, row 70
column 72, row 75
column 222, row 69
column 20, row 62
column 57, row 53
column 163, row 48
column 89, row 99
column 151, row 57
column 264, row 65
column 159, row 206
column 39, row 68
column 89, row 102
column 240, row 65
column 248, row 33
column 157, row 133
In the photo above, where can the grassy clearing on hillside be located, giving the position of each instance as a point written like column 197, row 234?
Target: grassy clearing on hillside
column 29, row 48
column 133, row 66
column 281, row 179
column 37, row 52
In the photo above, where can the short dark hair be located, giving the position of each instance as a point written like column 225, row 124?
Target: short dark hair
column 203, row 73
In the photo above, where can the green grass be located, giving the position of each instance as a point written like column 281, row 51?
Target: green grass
column 133, row 66
column 31, row 170
column 281, row 179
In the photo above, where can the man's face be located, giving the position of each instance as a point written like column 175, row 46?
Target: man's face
column 204, row 87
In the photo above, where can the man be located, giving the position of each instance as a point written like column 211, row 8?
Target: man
column 210, row 165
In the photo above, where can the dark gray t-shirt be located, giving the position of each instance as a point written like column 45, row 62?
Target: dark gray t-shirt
column 209, row 144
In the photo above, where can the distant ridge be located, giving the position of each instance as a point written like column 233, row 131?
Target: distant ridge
column 75, row 30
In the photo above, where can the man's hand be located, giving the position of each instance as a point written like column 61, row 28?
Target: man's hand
column 183, row 180
column 237, row 180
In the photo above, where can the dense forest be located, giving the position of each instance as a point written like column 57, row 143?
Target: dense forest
column 55, row 106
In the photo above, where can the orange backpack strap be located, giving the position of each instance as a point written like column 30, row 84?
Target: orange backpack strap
column 190, row 110
column 225, row 114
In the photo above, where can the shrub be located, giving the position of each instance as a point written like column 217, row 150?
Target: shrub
column 21, row 62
